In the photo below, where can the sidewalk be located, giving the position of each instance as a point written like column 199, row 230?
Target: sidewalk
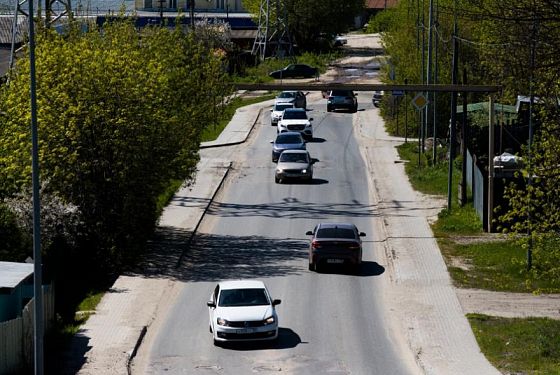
column 420, row 294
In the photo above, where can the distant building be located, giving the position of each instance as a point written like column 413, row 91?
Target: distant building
column 221, row 6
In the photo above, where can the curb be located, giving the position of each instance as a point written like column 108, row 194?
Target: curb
column 236, row 142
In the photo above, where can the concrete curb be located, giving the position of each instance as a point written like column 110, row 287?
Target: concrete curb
column 204, row 146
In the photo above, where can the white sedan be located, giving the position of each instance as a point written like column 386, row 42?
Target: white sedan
column 242, row 310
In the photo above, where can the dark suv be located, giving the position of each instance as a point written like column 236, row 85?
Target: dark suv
column 342, row 99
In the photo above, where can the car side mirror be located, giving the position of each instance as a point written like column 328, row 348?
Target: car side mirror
column 272, row 110
column 313, row 160
column 271, row 141
column 362, row 234
column 309, row 233
column 311, row 119
column 211, row 304
column 356, row 94
column 276, row 302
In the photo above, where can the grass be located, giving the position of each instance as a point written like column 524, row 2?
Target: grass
column 519, row 346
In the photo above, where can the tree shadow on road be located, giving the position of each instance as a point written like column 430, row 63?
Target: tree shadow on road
column 220, row 257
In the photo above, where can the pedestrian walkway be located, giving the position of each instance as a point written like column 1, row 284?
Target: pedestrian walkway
column 420, row 294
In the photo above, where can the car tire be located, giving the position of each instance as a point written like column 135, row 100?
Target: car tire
column 355, row 109
column 210, row 328
column 217, row 343
column 311, row 267
column 329, row 109
column 277, row 180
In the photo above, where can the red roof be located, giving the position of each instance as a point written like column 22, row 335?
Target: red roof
column 380, row 4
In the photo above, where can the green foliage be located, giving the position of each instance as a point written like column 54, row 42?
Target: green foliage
column 307, row 19
column 120, row 114
column 460, row 221
column 380, row 22
column 519, row 346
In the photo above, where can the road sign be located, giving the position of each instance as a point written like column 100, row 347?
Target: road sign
column 419, row 101
column 398, row 92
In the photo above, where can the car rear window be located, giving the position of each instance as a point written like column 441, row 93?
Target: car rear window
column 295, row 115
column 290, row 157
column 243, row 297
column 281, row 107
column 336, row 233
column 287, row 95
column 289, row 138
column 341, row 93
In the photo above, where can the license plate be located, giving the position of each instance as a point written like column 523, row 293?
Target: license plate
column 246, row 330
column 335, row 261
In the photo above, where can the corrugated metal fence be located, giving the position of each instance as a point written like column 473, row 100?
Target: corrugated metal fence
column 16, row 335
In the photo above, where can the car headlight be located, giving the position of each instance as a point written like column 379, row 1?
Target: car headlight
column 269, row 320
column 222, row 322
column 304, row 171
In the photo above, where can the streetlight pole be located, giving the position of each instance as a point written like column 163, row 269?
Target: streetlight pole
column 37, row 263
column 192, row 5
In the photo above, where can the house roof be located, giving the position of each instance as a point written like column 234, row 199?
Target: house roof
column 12, row 273
column 380, row 4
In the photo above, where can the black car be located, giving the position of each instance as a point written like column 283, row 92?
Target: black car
column 335, row 244
column 295, row 71
column 377, row 97
column 342, row 99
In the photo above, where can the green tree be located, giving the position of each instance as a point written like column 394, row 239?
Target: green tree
column 120, row 114
column 307, row 19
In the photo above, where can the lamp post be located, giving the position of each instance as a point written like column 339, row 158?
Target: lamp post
column 191, row 12
column 37, row 263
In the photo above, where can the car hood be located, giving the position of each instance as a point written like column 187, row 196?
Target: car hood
column 291, row 122
column 289, row 146
column 285, row 100
column 236, row 314
column 292, row 166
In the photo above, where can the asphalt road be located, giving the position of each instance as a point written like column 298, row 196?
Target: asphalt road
column 330, row 322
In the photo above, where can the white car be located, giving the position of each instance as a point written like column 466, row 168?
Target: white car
column 296, row 120
column 277, row 111
column 242, row 310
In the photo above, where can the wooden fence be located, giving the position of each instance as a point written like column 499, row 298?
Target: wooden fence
column 16, row 336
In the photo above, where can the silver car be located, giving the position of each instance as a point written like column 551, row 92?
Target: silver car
column 294, row 164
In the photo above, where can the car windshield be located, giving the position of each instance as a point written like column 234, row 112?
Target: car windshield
column 294, row 115
column 289, row 157
column 287, row 94
column 282, row 106
column 336, row 233
column 243, row 297
column 288, row 138
column 341, row 93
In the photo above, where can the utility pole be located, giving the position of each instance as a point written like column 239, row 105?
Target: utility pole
column 37, row 262
column 490, row 163
column 191, row 14
column 429, row 74
column 464, row 130
column 453, row 121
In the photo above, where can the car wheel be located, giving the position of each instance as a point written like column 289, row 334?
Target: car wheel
column 329, row 109
column 217, row 343
column 277, row 180
column 355, row 109
column 210, row 328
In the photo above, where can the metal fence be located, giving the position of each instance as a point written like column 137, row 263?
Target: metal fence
column 16, row 335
